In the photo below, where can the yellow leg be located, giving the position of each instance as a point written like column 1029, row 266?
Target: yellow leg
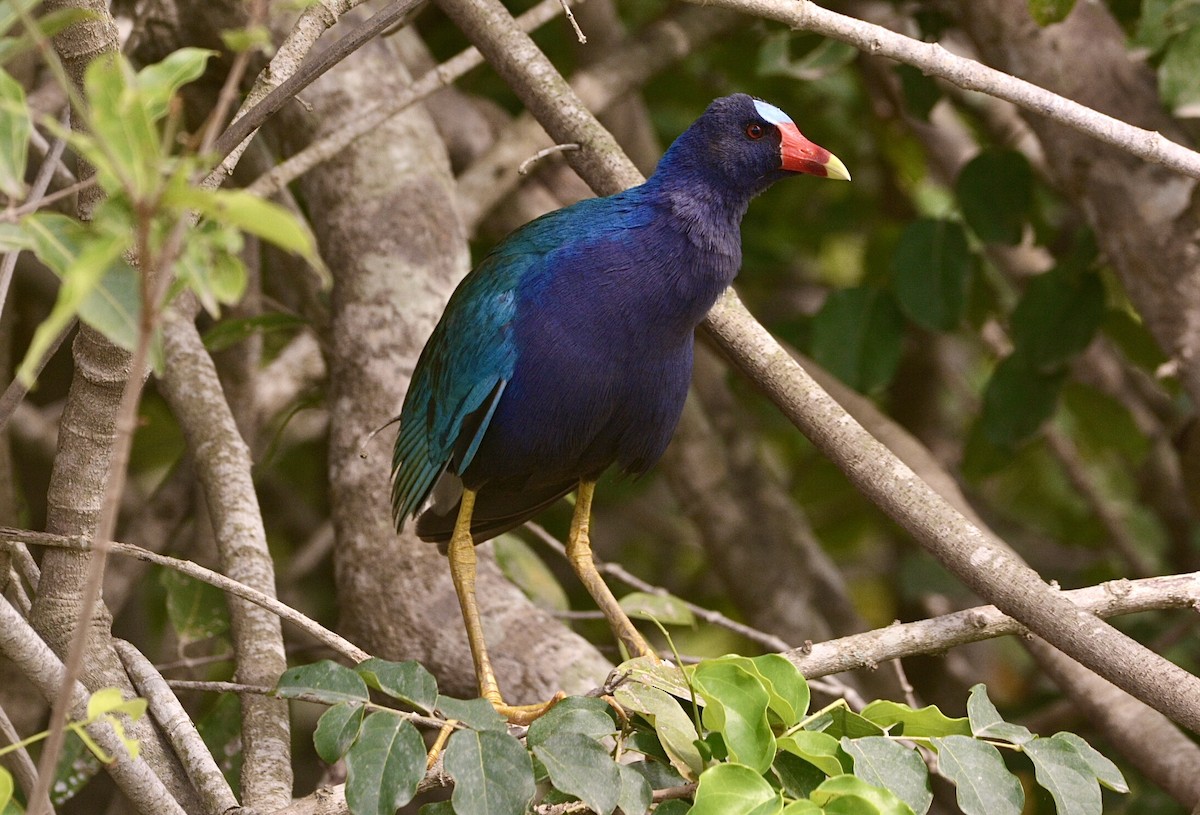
column 579, row 553
column 462, row 571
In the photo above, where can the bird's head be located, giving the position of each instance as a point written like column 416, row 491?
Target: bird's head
column 745, row 145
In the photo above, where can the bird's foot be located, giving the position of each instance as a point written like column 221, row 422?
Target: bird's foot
column 524, row 714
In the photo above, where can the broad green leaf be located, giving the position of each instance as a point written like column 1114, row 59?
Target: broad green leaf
column 157, row 83
column 1105, row 771
column 532, row 576
column 1179, row 75
column 121, row 125
column 407, row 681
column 196, row 610
column 114, row 307
column 986, row 721
column 6, row 789
column 1161, row 20
column 337, row 730
column 15, row 129
column 656, row 674
column 931, row 270
column 492, row 773
column 249, row 213
column 858, row 335
column 1046, row 12
column 734, row 789
column 326, row 680
column 884, row 762
column 788, row 690
column 995, row 193
column 635, row 794
column 825, row 57
column 1057, row 317
column 819, row 749
column 921, row 92
column 81, row 259
column 984, row 786
column 796, row 776
column 674, row 728
column 579, row 766
column 575, row 714
column 229, row 332
column 384, row 765
column 675, row 806
column 76, row 767
column 737, row 709
column 849, row 786
column 437, row 808
column 802, row 808
column 474, row 713
column 1066, row 776
column 1018, row 399
column 13, row 238
column 665, row 608
column 841, row 721
column 12, row 11
column 250, row 38
column 221, row 728
column 927, row 721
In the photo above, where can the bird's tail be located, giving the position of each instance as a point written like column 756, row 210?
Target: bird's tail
column 495, row 513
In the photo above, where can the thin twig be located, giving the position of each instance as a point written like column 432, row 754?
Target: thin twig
column 575, row 25
column 326, row 637
column 523, row 169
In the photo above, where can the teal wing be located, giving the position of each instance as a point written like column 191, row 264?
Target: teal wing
column 458, row 381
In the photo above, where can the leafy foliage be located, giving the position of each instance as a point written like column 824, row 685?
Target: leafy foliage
column 739, row 727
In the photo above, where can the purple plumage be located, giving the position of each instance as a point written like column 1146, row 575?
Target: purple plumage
column 569, row 348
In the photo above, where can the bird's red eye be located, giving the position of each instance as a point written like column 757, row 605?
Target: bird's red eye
column 754, row 130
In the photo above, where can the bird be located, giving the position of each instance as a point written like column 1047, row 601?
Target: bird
column 568, row 350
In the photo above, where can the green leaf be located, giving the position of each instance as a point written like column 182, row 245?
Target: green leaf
column 986, row 721
column 983, row 784
column 492, row 773
column 931, row 269
column 575, row 714
column 995, row 193
column 474, row 713
column 196, row 610
column 635, row 794
column 665, row 608
column 786, row 686
column 157, row 83
column 1105, row 771
column 1066, row 776
column 249, row 213
column 6, row 789
column 925, row 722
column 841, row 721
column 802, row 808
column 1057, row 317
column 673, row 807
column 114, row 306
column 437, row 808
column 522, row 566
column 122, row 127
column 13, row 238
column 221, row 729
column 858, row 335
column 76, row 767
column 110, row 700
column 580, row 767
column 819, row 749
column 250, row 38
column 326, row 680
column 884, row 762
column 1046, row 12
column 384, row 766
column 406, row 681
column 337, row 729
column 737, row 709
column 1179, row 75
column 734, row 789
column 12, row 11
column 674, row 728
column 230, row 332
column 921, row 92
column 1018, row 400
column 15, row 129
column 81, row 259
column 861, row 794
column 825, row 57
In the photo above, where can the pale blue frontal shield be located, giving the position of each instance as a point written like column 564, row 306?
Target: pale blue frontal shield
column 771, row 113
